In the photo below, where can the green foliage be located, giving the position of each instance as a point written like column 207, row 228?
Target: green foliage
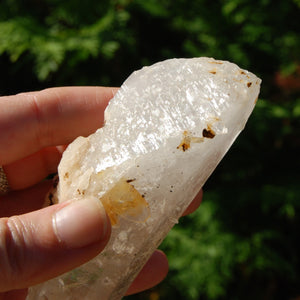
column 206, row 269
column 56, row 36
column 209, row 253
column 243, row 241
column 103, row 41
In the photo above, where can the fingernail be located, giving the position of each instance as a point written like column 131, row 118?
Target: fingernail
column 80, row 223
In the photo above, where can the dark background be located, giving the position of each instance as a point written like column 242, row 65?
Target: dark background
column 243, row 243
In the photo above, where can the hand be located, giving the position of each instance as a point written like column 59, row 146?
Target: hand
column 38, row 244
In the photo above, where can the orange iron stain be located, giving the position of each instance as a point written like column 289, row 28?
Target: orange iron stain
column 124, row 200
column 187, row 140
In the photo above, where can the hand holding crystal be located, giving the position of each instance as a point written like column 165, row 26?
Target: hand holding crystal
column 38, row 243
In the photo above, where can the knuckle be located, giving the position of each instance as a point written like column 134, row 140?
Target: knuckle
column 12, row 247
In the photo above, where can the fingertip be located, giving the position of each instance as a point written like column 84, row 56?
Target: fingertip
column 153, row 272
column 81, row 223
column 194, row 204
column 51, row 241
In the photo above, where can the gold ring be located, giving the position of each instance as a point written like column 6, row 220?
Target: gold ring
column 4, row 186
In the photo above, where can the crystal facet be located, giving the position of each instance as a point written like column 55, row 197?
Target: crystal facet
column 166, row 130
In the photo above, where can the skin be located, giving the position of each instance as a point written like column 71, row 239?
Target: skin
column 35, row 128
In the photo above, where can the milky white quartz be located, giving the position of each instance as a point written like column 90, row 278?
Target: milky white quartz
column 166, row 130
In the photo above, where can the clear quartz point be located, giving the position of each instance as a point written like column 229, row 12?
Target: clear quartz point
column 166, row 130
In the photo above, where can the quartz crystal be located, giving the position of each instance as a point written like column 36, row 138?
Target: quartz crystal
column 166, row 130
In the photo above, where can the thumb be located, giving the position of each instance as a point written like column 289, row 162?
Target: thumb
column 40, row 245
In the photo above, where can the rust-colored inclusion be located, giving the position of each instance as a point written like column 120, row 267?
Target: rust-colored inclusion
column 124, row 200
column 186, row 142
column 208, row 132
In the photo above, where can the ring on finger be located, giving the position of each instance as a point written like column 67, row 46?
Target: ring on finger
column 4, row 186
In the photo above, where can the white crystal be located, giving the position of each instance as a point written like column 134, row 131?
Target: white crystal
column 166, row 130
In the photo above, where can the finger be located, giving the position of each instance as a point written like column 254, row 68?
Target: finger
column 194, row 204
column 154, row 271
column 14, row 295
column 32, row 121
column 43, row 244
column 20, row 173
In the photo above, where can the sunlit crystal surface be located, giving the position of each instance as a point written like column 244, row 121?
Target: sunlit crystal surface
column 166, row 130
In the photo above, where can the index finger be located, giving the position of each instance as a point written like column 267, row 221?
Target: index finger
column 32, row 121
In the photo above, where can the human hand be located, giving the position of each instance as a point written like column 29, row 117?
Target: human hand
column 38, row 244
